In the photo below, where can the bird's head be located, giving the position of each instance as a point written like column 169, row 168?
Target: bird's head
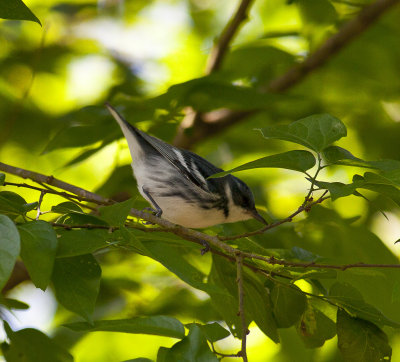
column 243, row 198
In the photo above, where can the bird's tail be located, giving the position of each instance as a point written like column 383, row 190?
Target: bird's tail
column 123, row 123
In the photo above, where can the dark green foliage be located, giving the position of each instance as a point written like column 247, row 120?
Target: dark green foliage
column 155, row 283
column 361, row 340
column 9, row 248
column 31, row 345
column 158, row 325
column 16, row 9
column 38, row 251
column 76, row 282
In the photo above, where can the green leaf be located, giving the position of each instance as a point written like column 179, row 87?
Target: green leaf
column 192, row 348
column 9, row 248
column 116, row 214
column 11, row 204
column 208, row 93
column 156, row 325
column 86, row 154
column 396, row 291
column 315, row 132
column 83, row 241
column 291, row 160
column 314, row 327
column 66, row 207
column 78, row 218
column 173, row 258
column 340, row 156
column 13, row 303
column 223, row 273
column 360, row 340
column 318, row 12
column 83, row 128
column 31, row 345
column 338, row 189
column 258, row 306
column 16, row 10
column 225, row 305
column 350, row 299
column 2, row 178
column 38, row 251
column 76, row 282
column 289, row 303
column 140, row 359
column 212, row 331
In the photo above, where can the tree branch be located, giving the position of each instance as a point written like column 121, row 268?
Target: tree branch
column 214, row 122
column 241, row 313
column 193, row 119
column 217, row 244
column 221, row 47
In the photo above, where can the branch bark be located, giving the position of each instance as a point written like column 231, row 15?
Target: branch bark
column 209, row 124
column 217, row 245
column 194, row 119
column 221, row 47
column 241, row 313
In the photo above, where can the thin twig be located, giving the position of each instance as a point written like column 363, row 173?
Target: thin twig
column 214, row 122
column 313, row 180
column 215, row 58
column 83, row 194
column 48, row 190
column 241, row 313
column 38, row 213
column 302, row 208
column 195, row 235
column 106, row 227
column 220, row 48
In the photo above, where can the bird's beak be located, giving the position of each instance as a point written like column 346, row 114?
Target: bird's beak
column 258, row 217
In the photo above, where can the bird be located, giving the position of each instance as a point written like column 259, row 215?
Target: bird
column 176, row 183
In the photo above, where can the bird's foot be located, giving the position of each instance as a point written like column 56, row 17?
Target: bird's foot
column 157, row 213
column 206, row 248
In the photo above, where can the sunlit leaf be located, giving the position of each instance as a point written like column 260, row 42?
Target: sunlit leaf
column 314, row 327
column 314, row 132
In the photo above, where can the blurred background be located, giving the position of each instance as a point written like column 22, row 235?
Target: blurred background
column 130, row 53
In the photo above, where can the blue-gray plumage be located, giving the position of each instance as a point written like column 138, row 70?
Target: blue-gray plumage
column 175, row 182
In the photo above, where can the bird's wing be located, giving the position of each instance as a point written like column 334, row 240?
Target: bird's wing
column 195, row 168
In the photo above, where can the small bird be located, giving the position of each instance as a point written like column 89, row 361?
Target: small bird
column 175, row 182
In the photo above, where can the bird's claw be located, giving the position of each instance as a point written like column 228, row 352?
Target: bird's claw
column 206, row 248
column 157, row 213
